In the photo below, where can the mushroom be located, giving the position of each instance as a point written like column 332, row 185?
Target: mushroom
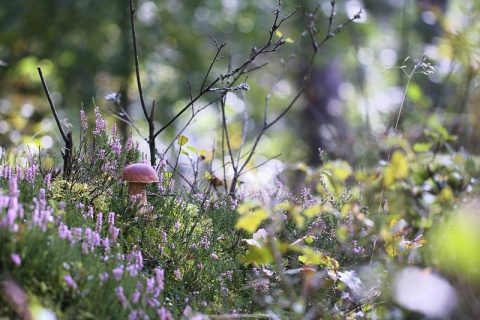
column 138, row 175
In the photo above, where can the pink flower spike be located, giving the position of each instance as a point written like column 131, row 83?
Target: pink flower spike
column 16, row 259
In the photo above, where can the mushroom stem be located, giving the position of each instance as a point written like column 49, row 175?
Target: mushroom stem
column 135, row 188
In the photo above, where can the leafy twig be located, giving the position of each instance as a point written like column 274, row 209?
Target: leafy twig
column 312, row 31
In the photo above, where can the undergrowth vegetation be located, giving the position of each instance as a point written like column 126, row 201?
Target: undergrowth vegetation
column 78, row 248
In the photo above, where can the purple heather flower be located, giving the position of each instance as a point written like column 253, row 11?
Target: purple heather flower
column 16, row 259
column 7, row 172
column 31, row 172
column 152, row 302
column 62, row 205
column 121, row 296
column 114, row 130
column 159, row 280
column 64, row 232
column 100, row 124
column 111, row 218
column 132, row 269
column 137, row 314
column 83, row 118
column 46, row 181
column 116, row 147
column 214, row 256
column 118, row 273
column 90, row 212
column 135, row 297
column 178, row 275
column 129, row 143
column 188, row 311
column 98, row 224
column 204, row 242
column 150, row 286
column 164, row 314
column 106, row 244
column 114, row 231
column 103, row 276
column 70, row 282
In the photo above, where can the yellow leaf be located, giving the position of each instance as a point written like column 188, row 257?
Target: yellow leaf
column 278, row 33
column 311, row 256
column 340, row 169
column 313, row 211
column 246, row 207
column 285, row 205
column 400, row 164
column 396, row 170
column 251, row 220
column 182, row 140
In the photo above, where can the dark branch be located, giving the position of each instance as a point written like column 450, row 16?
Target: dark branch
column 52, row 106
column 67, row 138
column 137, row 66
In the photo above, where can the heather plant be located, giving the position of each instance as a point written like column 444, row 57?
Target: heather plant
column 67, row 248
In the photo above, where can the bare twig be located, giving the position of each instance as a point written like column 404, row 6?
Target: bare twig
column 150, row 118
column 137, row 65
column 67, row 138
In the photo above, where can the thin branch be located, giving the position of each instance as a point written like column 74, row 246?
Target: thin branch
column 226, row 135
column 52, row 106
column 137, row 65
column 215, row 59
column 67, row 138
column 332, row 17
column 245, row 128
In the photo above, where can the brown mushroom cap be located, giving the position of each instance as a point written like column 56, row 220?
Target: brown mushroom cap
column 139, row 172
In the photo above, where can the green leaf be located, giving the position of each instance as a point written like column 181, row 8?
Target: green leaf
column 191, row 148
column 470, row 166
column 309, row 239
column 206, row 176
column 422, row 147
column 182, row 140
column 257, row 255
column 414, row 92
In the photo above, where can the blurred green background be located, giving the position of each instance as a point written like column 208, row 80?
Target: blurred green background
column 85, row 50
